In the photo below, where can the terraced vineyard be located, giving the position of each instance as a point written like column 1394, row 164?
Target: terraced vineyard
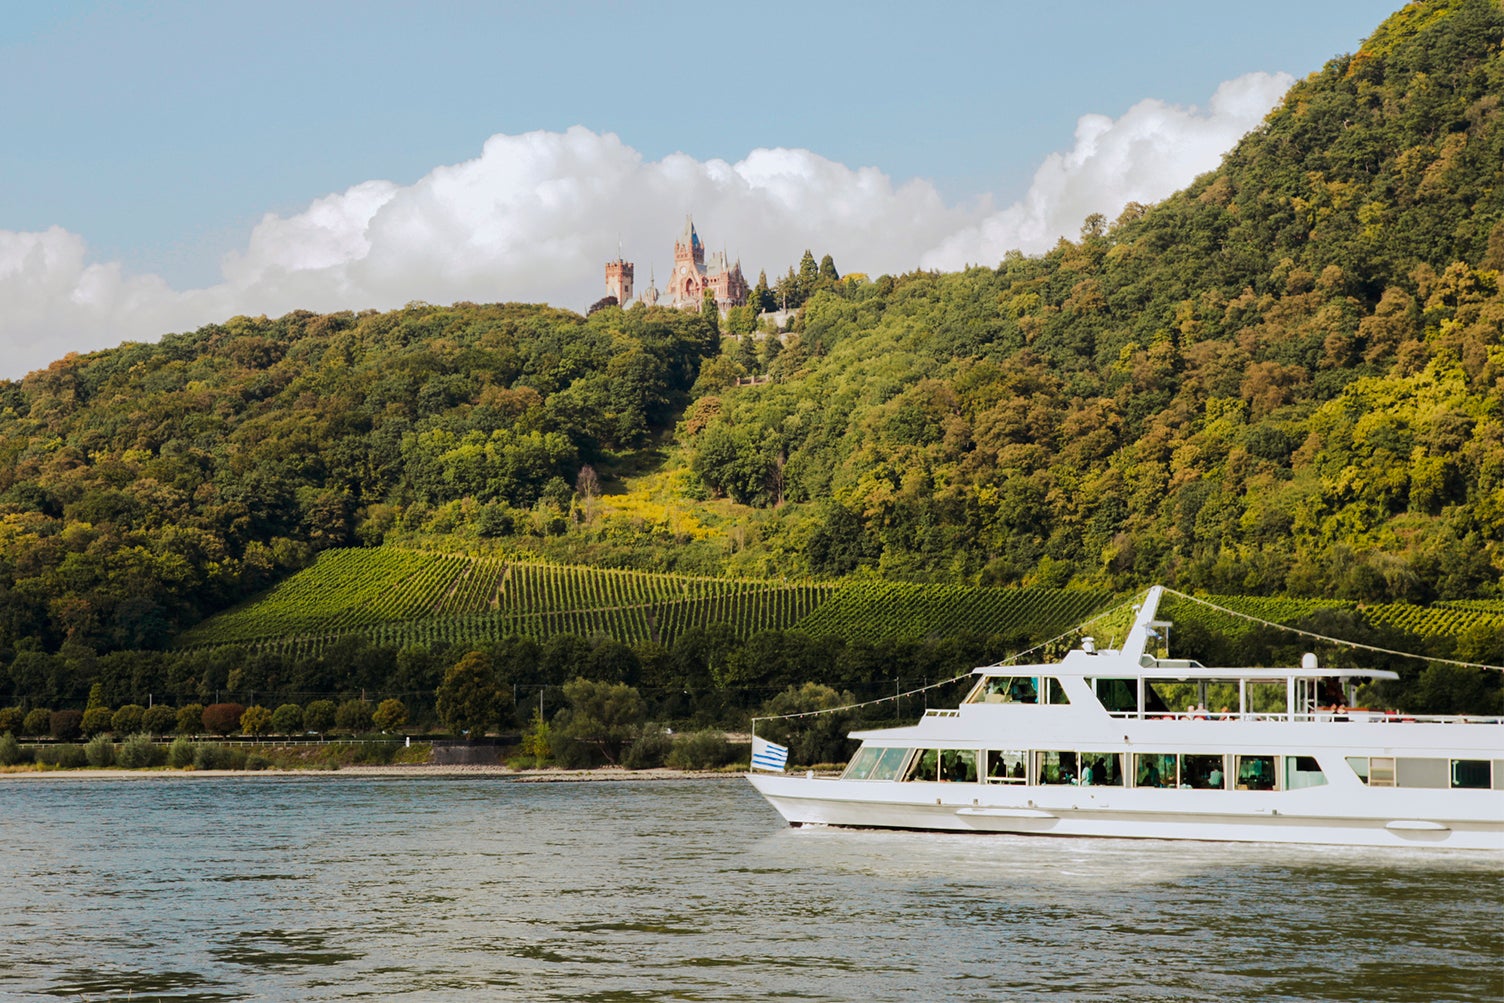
column 897, row 611
column 397, row 597
column 393, row 596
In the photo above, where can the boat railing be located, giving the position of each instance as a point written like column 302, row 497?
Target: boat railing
column 1330, row 717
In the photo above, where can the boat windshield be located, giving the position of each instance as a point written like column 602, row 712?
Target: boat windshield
column 1019, row 689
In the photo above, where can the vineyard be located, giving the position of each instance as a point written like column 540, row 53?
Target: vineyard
column 396, row 597
column 896, row 611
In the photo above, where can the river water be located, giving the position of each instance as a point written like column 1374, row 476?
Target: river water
column 333, row 887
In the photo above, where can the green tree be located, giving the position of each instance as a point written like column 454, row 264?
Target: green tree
column 604, row 716
column 354, row 716
column 159, row 719
column 190, row 719
column 319, row 716
column 37, row 723
column 96, row 721
column 809, row 275
column 470, row 699
column 287, row 719
column 127, row 720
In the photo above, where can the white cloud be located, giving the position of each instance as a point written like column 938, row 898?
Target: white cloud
column 1154, row 150
column 535, row 216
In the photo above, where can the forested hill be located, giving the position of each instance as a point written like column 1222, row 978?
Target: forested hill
column 144, row 487
column 1286, row 379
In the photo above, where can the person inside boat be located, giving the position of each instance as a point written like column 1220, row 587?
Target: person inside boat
column 1150, row 775
column 1214, row 778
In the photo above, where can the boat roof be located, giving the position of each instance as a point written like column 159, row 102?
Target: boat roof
column 1132, row 660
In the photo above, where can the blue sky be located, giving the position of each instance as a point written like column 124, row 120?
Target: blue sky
column 166, row 162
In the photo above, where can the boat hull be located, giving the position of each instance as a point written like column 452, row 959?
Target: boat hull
column 1306, row 817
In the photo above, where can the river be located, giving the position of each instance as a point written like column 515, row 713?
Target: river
column 330, row 887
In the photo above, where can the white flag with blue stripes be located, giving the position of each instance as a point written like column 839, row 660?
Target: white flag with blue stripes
column 768, row 755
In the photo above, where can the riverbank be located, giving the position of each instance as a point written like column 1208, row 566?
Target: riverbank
column 539, row 776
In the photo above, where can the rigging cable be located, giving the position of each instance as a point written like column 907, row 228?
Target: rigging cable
column 1336, row 640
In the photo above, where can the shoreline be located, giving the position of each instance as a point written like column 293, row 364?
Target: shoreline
column 604, row 774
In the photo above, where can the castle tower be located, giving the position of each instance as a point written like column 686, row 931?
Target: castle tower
column 650, row 296
column 619, row 281
column 686, row 284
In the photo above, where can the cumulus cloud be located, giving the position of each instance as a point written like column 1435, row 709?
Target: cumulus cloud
column 1153, row 150
column 535, row 216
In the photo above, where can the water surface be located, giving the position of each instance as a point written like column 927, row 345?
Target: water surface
column 334, row 887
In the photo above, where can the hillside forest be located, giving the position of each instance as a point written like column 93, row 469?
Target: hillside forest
column 1285, row 380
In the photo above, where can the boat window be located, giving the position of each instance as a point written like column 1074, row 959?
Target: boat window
column 1119, row 696
column 1303, row 771
column 1203, row 772
column 1055, row 767
column 889, row 764
column 1155, row 769
column 1102, row 769
column 1055, row 691
column 1255, row 773
column 926, row 766
column 1010, row 689
column 861, row 764
column 1431, row 773
column 1375, row 771
column 1471, row 773
column 1499, row 774
column 958, row 765
column 1006, row 766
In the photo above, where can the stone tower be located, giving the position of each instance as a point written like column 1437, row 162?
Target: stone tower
column 619, row 281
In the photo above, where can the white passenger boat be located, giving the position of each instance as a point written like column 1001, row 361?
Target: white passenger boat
column 1121, row 743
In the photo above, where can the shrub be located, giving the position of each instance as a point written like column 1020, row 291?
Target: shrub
column 11, row 720
column 67, row 757
column 287, row 719
column 180, row 753
column 38, row 722
column 138, row 752
column 256, row 761
column 353, row 716
column 100, row 752
column 10, row 750
column 648, row 750
column 256, row 720
column 700, row 750
column 127, row 720
column 319, row 716
column 222, row 718
column 159, row 719
column 96, row 721
column 190, row 719
column 208, row 757
column 390, row 715
column 66, row 724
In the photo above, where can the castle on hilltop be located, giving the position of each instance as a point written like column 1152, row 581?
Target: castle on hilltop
column 692, row 279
